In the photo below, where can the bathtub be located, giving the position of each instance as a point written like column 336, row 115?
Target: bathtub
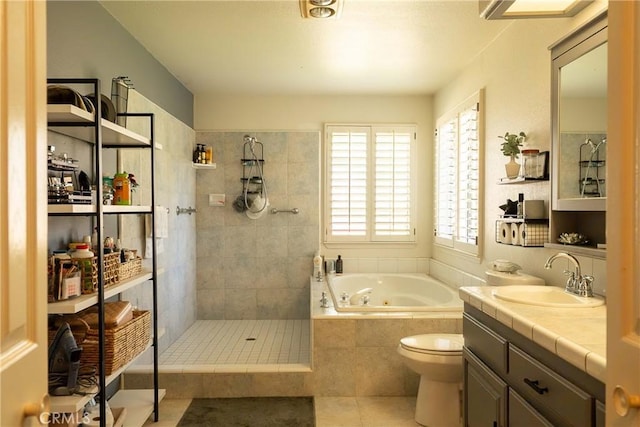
column 391, row 293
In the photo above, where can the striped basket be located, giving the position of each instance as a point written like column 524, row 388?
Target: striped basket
column 122, row 343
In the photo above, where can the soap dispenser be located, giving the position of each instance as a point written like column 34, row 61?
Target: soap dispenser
column 317, row 267
column 339, row 265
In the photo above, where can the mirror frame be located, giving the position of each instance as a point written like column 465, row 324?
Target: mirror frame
column 563, row 52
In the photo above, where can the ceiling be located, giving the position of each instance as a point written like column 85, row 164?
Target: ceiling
column 265, row 47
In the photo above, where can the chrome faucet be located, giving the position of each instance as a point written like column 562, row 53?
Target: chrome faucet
column 576, row 282
column 324, row 301
column 361, row 297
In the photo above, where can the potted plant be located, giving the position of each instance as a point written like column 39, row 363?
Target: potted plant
column 511, row 147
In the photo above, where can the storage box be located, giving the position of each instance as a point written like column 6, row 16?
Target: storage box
column 533, row 209
column 534, row 234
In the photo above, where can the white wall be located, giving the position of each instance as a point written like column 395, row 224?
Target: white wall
column 246, row 113
column 516, row 74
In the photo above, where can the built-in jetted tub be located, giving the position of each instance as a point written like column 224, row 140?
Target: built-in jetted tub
column 391, row 293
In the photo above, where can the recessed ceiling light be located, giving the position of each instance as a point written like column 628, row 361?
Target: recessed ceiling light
column 320, row 8
column 321, row 12
column 322, row 2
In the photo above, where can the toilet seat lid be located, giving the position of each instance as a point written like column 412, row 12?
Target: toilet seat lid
column 440, row 343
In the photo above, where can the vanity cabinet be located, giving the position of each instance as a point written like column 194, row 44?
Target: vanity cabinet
column 511, row 381
column 485, row 402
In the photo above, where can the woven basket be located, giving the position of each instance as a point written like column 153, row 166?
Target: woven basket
column 121, row 345
column 111, row 268
column 129, row 269
column 89, row 271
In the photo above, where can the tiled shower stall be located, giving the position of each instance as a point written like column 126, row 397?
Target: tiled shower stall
column 258, row 269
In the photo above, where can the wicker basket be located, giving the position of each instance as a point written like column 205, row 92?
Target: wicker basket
column 129, row 269
column 111, row 268
column 89, row 270
column 121, row 345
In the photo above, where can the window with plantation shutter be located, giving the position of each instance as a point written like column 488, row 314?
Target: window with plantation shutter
column 457, row 177
column 369, row 183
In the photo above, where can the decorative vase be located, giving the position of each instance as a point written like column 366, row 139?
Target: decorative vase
column 512, row 168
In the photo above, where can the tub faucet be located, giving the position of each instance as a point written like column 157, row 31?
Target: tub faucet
column 361, row 296
column 324, row 301
column 576, row 282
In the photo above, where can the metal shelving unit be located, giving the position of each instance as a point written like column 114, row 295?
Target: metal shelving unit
column 92, row 128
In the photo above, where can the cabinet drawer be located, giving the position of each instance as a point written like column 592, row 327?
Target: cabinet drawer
column 556, row 398
column 485, row 344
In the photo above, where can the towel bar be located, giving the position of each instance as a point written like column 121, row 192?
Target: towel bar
column 293, row 210
column 188, row 210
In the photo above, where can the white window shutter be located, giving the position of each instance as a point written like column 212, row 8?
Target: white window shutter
column 347, row 182
column 369, row 183
column 392, row 213
column 446, row 181
column 458, row 188
column 468, row 188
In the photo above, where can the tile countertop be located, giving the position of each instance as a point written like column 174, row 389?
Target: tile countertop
column 577, row 335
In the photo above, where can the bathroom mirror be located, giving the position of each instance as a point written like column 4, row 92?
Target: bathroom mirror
column 579, row 119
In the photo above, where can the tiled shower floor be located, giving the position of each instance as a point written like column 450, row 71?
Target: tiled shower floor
column 238, row 343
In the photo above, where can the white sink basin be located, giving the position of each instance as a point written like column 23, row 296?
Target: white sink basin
column 546, row 296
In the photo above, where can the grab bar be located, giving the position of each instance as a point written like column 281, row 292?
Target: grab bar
column 188, row 210
column 293, row 211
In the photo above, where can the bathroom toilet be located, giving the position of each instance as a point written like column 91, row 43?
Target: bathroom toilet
column 438, row 360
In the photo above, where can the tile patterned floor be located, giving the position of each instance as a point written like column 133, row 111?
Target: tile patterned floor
column 330, row 412
column 238, row 342
column 234, row 343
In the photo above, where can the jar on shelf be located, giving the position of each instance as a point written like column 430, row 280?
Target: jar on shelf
column 121, row 189
column 530, row 162
column 82, row 251
column 107, row 190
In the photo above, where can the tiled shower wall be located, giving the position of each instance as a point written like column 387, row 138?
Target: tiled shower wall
column 175, row 186
column 258, row 269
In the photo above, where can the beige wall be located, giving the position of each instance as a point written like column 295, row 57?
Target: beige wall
column 516, row 74
column 249, row 114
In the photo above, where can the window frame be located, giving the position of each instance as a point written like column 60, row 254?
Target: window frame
column 452, row 242
column 369, row 237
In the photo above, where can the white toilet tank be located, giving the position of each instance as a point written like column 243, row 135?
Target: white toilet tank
column 501, row 278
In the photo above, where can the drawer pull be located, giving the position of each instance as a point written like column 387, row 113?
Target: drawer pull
column 534, row 385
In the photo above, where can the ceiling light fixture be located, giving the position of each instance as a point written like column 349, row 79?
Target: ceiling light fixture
column 515, row 9
column 320, row 8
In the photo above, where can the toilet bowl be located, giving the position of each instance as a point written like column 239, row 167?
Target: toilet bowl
column 437, row 358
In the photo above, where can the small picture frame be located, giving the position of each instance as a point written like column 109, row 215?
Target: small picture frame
column 537, row 166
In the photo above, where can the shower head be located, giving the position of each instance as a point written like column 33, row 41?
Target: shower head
column 591, row 145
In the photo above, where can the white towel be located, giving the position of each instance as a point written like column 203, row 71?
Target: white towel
column 162, row 222
column 162, row 231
